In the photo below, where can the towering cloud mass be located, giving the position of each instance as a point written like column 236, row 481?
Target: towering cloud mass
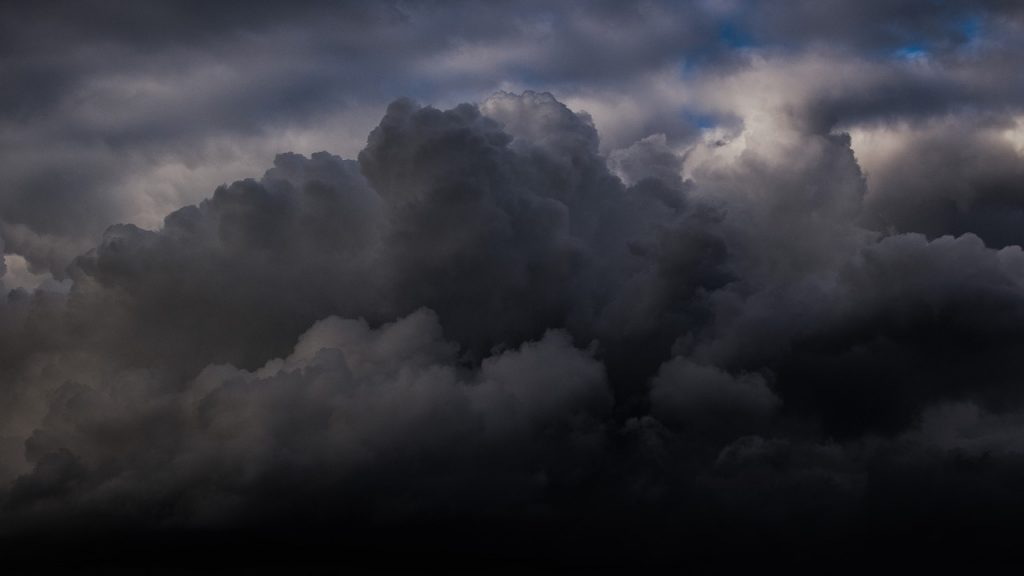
column 769, row 287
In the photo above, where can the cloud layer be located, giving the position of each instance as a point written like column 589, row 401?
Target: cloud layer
column 746, row 277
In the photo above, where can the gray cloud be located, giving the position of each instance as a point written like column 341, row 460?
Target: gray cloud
column 348, row 401
column 760, row 275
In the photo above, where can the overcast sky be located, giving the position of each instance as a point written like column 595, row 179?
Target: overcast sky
column 345, row 276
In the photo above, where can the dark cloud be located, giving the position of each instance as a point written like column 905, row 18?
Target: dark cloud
column 872, row 26
column 347, row 404
column 190, row 371
column 758, row 279
column 965, row 177
column 138, row 108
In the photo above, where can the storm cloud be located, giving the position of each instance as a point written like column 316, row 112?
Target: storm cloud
column 583, row 285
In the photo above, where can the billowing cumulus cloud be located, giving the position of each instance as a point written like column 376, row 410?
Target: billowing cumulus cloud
column 349, row 402
column 692, row 271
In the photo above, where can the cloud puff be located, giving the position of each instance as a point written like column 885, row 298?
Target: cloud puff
column 348, row 404
column 697, row 398
column 488, row 319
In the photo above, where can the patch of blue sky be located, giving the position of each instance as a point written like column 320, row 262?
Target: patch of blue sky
column 911, row 51
column 970, row 27
column 700, row 120
column 733, row 36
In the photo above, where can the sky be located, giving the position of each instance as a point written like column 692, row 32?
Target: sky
column 510, row 285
